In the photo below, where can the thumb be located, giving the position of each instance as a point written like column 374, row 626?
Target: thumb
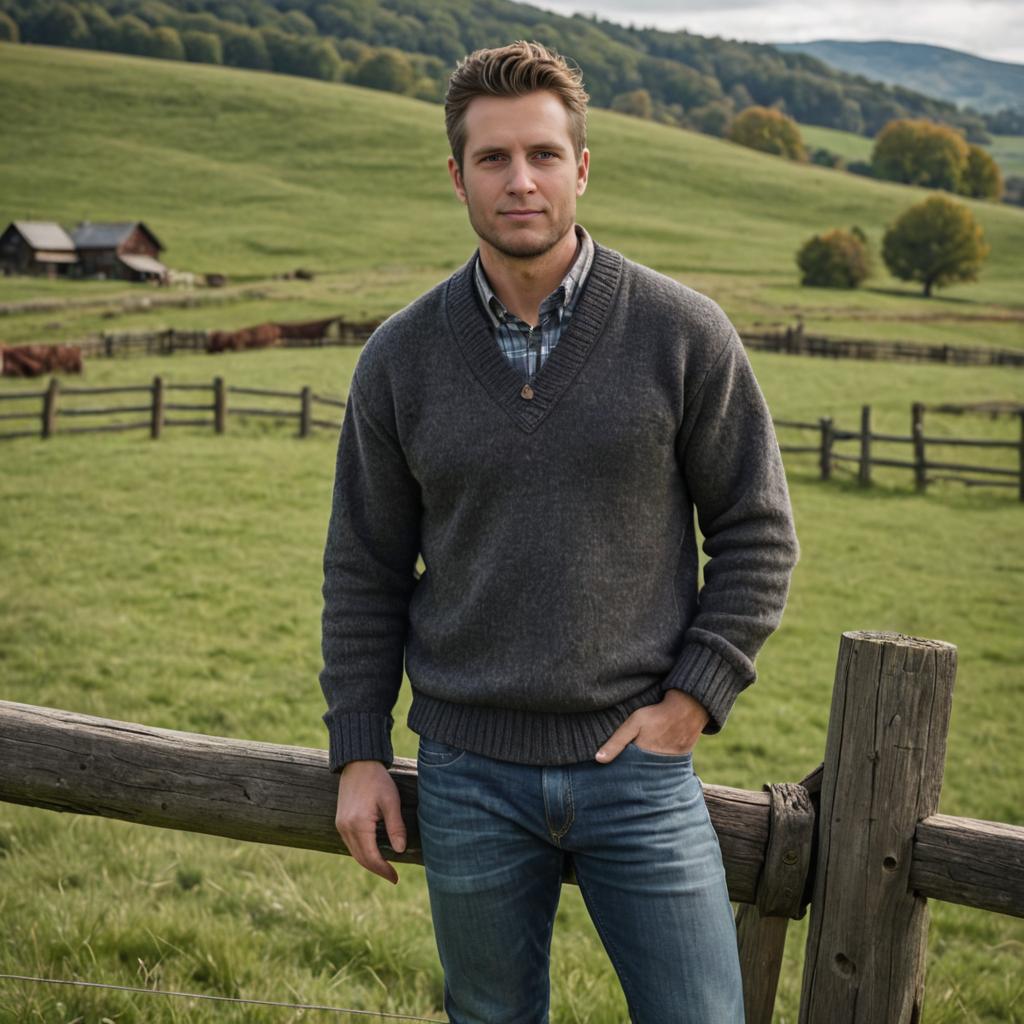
column 395, row 825
column 614, row 745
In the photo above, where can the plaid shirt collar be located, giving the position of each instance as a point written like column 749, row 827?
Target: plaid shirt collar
column 563, row 296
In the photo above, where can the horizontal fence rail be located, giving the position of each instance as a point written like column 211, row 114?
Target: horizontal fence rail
column 224, row 398
column 864, row 850
column 794, row 341
column 922, row 463
column 54, row 408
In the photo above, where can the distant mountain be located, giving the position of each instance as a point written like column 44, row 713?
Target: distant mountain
column 985, row 85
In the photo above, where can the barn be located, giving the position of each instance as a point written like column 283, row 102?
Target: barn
column 126, row 250
column 39, row 247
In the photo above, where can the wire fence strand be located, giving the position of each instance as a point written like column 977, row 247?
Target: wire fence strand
column 223, row 999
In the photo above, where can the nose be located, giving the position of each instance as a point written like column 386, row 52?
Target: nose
column 520, row 181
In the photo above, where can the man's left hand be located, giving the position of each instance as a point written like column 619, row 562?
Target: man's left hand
column 671, row 727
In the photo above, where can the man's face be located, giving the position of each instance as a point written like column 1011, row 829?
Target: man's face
column 520, row 178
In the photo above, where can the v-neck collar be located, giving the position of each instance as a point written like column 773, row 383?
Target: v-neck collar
column 528, row 404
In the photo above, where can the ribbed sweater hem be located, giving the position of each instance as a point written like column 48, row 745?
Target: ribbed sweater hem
column 525, row 737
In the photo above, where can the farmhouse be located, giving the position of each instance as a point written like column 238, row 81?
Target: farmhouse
column 37, row 247
column 127, row 250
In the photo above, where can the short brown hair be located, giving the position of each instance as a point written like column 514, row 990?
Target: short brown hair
column 514, row 70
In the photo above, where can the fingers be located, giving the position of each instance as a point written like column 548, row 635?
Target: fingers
column 367, row 794
column 392, row 807
column 618, row 741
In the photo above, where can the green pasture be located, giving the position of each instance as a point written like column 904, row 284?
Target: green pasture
column 255, row 175
column 1008, row 152
column 176, row 583
column 848, row 145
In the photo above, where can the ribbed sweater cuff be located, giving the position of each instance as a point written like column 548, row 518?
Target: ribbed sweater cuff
column 359, row 736
column 711, row 680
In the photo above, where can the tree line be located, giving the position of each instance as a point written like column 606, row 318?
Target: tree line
column 409, row 47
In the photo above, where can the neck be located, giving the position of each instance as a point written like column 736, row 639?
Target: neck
column 522, row 284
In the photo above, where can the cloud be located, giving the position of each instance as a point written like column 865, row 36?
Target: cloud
column 989, row 28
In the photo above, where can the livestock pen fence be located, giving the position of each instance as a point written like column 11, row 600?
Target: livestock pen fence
column 64, row 409
column 925, row 467
column 155, row 406
column 794, row 341
column 858, row 841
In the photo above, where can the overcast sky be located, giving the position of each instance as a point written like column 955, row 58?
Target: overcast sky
column 988, row 28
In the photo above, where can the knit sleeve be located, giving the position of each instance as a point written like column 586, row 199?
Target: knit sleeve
column 369, row 576
column 730, row 458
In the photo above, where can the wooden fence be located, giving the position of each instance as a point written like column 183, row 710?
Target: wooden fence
column 793, row 341
column 157, row 408
column 925, row 468
column 167, row 342
column 858, row 840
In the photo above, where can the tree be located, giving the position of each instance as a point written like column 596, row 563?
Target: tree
column 8, row 28
column 982, row 178
column 935, row 242
column 388, row 70
column 202, row 47
column 712, row 118
column 918, row 152
column 769, row 131
column 836, row 259
column 635, row 103
column 133, row 35
column 58, row 25
column 166, row 44
column 244, row 48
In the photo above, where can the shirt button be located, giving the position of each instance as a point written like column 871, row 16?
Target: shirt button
column 527, row 391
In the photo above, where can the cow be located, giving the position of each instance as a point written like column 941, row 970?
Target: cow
column 261, row 336
column 35, row 360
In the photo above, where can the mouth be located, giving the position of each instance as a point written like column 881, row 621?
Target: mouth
column 520, row 215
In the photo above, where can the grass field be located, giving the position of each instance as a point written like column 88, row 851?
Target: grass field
column 255, row 175
column 176, row 583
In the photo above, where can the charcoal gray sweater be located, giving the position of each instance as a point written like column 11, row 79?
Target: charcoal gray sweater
column 556, row 524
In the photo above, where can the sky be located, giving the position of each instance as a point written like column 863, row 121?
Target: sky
column 987, row 28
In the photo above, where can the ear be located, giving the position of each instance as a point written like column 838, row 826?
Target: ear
column 583, row 172
column 456, row 175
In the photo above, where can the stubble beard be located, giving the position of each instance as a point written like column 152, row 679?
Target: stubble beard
column 523, row 248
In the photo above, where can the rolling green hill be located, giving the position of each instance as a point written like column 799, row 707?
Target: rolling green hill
column 254, row 174
column 951, row 75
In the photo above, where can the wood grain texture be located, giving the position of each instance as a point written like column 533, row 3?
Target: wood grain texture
column 976, row 863
column 259, row 792
column 884, row 759
column 762, row 942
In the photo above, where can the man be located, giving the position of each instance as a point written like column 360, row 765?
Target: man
column 540, row 428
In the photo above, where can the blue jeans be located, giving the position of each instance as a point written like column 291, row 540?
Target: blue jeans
column 495, row 836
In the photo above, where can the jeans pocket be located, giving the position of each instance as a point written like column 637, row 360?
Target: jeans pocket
column 656, row 755
column 435, row 754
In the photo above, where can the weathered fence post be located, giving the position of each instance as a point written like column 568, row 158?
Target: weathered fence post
column 917, row 431
column 827, row 437
column 220, row 406
column 762, row 943
column 306, row 412
column 884, row 758
column 864, row 474
column 156, row 422
column 50, row 408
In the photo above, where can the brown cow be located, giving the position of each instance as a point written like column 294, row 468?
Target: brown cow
column 35, row 360
column 261, row 336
